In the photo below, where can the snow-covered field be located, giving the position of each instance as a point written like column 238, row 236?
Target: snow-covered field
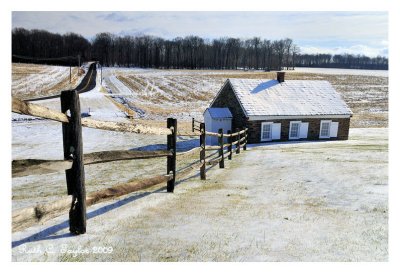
column 101, row 106
column 365, row 72
column 157, row 94
column 153, row 95
column 295, row 201
column 298, row 201
column 31, row 81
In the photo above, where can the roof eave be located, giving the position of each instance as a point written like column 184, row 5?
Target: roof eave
column 284, row 117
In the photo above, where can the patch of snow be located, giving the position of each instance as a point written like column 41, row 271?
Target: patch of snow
column 102, row 108
column 380, row 73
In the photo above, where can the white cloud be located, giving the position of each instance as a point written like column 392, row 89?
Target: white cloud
column 298, row 25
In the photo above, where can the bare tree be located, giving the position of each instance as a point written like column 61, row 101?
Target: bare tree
column 288, row 44
column 189, row 52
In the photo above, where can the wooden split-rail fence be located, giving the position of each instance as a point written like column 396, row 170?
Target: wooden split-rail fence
column 75, row 160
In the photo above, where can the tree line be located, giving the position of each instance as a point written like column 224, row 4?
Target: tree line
column 41, row 46
column 350, row 61
column 191, row 52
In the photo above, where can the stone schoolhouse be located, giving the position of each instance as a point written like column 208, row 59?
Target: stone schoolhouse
column 279, row 110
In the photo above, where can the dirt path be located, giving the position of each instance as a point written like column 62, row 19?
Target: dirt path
column 315, row 201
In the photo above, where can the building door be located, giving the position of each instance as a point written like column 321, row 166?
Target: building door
column 214, row 125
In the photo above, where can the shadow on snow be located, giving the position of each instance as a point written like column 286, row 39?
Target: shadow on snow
column 48, row 233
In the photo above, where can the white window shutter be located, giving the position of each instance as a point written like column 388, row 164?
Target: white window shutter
column 334, row 129
column 303, row 130
column 276, row 131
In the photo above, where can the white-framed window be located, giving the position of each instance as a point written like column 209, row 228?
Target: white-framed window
column 325, row 129
column 266, row 131
column 294, row 130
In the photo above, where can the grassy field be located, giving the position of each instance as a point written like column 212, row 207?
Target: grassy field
column 185, row 93
column 31, row 81
column 154, row 95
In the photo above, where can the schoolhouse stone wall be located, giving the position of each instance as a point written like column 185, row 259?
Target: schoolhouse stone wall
column 227, row 98
column 313, row 129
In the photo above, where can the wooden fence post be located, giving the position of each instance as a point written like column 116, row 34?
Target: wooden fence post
column 245, row 139
column 230, row 141
column 75, row 177
column 171, row 146
column 221, row 148
column 203, row 151
column 238, row 142
column 192, row 124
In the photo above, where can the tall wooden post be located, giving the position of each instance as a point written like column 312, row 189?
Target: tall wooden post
column 72, row 143
column 245, row 139
column 230, row 141
column 202, row 151
column 238, row 141
column 171, row 146
column 221, row 147
column 192, row 124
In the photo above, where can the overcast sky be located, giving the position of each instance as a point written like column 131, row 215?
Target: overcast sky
column 332, row 32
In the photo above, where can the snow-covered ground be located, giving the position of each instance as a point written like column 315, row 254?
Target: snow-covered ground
column 294, row 201
column 297, row 201
column 101, row 107
column 41, row 139
column 157, row 94
column 34, row 138
column 30, row 80
column 335, row 71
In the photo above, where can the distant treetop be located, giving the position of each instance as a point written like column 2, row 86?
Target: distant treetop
column 190, row 52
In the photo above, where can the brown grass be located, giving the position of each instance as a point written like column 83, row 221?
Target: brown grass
column 365, row 120
column 127, row 81
column 183, row 125
column 367, row 96
column 119, row 105
column 20, row 72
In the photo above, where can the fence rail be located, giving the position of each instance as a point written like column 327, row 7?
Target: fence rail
column 21, row 107
column 74, row 160
column 37, row 166
column 212, row 148
column 26, row 217
column 188, row 134
column 195, row 125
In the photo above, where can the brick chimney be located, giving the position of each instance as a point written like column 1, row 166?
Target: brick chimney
column 280, row 76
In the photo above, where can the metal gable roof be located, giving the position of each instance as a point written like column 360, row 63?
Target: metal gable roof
column 265, row 97
column 219, row 112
